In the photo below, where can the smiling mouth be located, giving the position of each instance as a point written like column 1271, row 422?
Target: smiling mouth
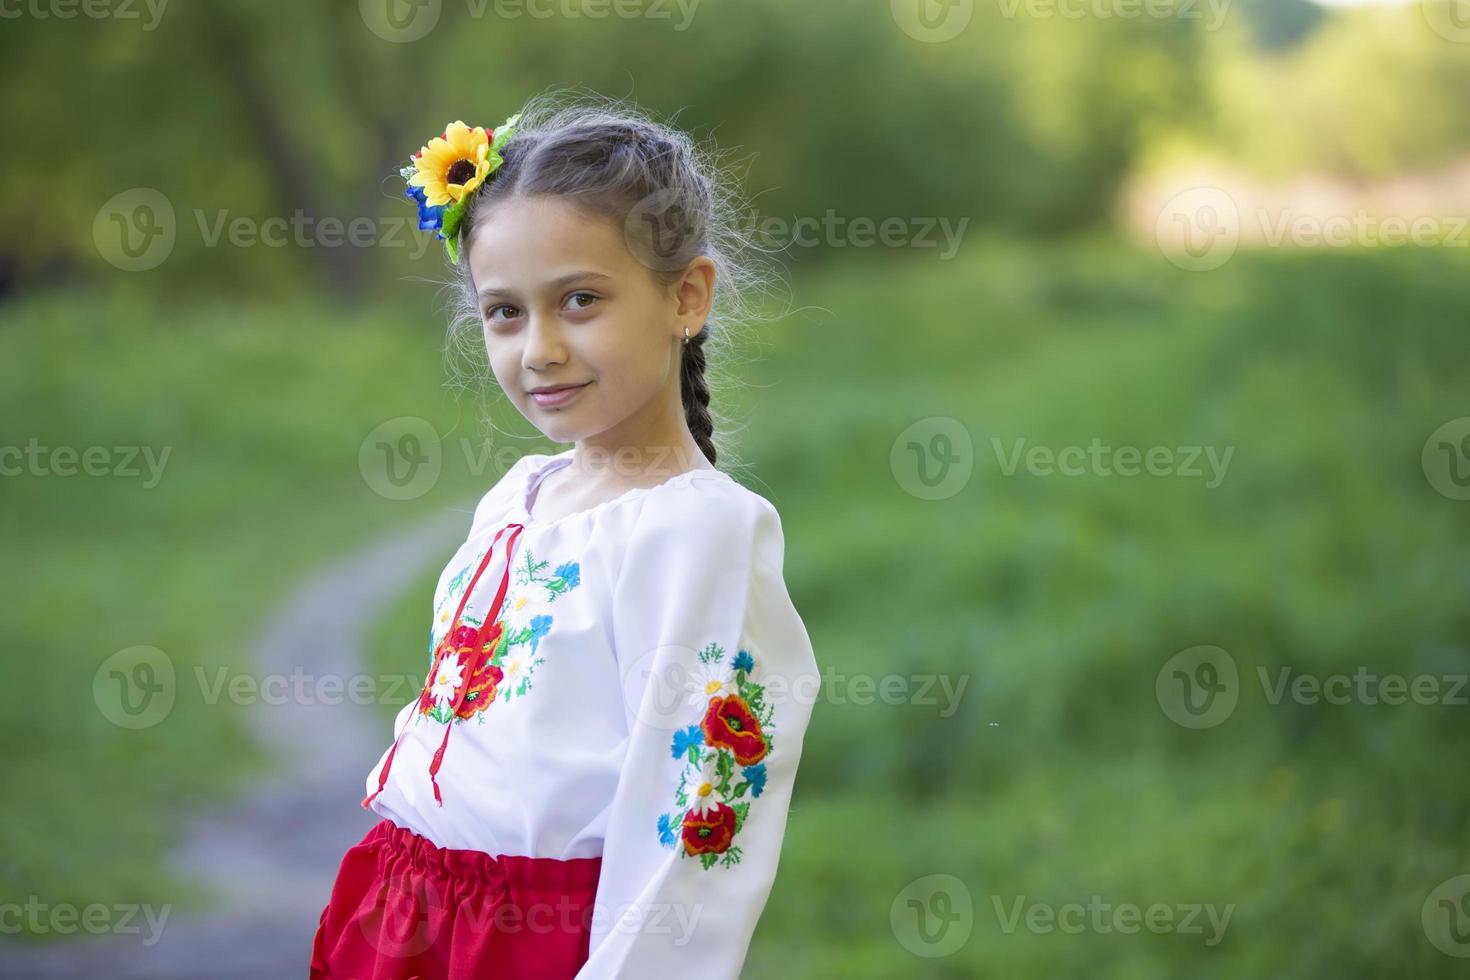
column 551, row 397
column 553, row 389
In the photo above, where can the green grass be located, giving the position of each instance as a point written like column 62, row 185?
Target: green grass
column 1056, row 599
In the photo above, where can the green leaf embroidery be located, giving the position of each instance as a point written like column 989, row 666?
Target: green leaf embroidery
column 724, row 766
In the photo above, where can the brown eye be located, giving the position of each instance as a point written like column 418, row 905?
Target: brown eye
column 573, row 300
column 490, row 313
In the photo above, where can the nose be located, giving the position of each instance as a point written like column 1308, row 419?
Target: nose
column 545, row 342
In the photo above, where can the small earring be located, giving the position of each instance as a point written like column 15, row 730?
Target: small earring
column 686, row 335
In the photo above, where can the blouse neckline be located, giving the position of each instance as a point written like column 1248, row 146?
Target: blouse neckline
column 525, row 499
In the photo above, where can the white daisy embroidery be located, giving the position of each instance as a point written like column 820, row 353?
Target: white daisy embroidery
column 702, row 796
column 710, row 681
column 513, row 668
column 447, row 680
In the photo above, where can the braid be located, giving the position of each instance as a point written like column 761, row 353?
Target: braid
column 695, row 392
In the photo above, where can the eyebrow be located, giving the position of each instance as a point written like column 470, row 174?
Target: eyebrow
column 556, row 283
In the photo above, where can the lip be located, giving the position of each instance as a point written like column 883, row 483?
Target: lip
column 553, row 396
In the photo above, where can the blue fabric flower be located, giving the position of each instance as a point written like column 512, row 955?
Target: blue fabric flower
column 743, row 661
column 683, row 740
column 665, row 830
column 571, row 573
column 756, row 776
column 539, row 626
column 430, row 218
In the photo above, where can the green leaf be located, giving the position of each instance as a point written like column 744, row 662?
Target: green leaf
column 503, row 133
column 741, row 809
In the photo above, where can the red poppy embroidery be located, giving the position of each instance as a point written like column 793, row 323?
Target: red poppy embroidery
column 729, row 723
column 710, row 833
column 483, row 684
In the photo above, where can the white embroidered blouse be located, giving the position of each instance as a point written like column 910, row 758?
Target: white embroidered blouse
column 642, row 695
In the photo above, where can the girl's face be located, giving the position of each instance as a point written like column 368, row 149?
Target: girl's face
column 564, row 302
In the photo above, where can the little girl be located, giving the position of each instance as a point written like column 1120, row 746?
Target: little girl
column 595, row 780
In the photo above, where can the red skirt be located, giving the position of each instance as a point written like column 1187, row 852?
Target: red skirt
column 405, row 909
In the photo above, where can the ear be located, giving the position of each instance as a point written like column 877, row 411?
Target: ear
column 695, row 294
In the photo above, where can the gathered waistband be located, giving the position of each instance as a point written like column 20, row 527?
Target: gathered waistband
column 403, row 850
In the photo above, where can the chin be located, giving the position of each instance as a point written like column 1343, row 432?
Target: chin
column 557, row 425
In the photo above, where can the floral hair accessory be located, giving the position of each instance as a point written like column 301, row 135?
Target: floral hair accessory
column 443, row 174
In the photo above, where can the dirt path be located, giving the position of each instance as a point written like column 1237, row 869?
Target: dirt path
column 272, row 858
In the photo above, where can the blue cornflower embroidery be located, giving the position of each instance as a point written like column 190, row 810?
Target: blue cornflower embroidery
column 686, row 739
column 665, row 830
column 756, row 776
column 539, row 626
column 571, row 574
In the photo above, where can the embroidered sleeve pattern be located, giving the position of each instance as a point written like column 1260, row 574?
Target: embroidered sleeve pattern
column 722, row 758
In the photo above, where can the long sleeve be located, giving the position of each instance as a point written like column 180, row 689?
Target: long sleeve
column 718, row 679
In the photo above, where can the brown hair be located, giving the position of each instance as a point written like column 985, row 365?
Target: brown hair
column 668, row 193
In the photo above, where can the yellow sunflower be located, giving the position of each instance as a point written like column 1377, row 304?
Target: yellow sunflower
column 452, row 165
